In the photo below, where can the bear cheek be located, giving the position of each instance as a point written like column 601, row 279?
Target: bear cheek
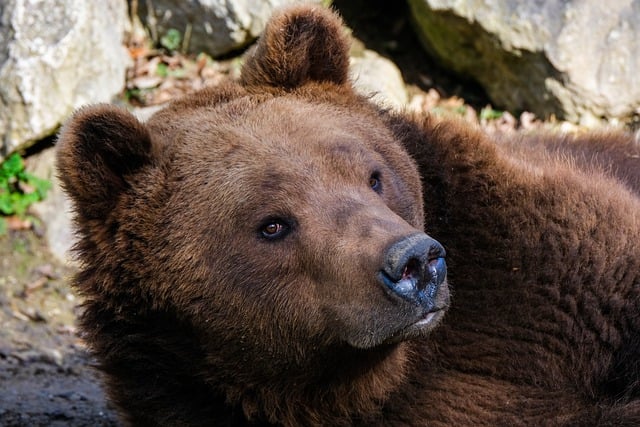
column 370, row 321
column 268, row 294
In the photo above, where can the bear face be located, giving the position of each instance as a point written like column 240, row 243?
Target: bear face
column 317, row 201
column 254, row 254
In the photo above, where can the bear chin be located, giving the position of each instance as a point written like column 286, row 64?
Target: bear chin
column 420, row 329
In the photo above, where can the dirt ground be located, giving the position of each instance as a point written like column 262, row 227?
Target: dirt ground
column 46, row 378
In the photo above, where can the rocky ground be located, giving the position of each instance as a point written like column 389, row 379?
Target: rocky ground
column 46, row 375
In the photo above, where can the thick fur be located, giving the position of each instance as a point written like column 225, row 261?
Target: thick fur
column 196, row 320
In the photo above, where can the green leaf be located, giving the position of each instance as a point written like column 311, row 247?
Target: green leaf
column 133, row 94
column 489, row 113
column 171, row 40
column 6, row 206
column 162, row 70
column 41, row 185
column 11, row 166
column 18, row 188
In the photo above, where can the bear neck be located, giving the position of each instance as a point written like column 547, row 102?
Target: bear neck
column 352, row 384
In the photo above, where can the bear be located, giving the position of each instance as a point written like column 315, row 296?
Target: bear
column 282, row 251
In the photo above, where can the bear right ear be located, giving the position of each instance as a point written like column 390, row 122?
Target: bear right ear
column 98, row 150
column 300, row 44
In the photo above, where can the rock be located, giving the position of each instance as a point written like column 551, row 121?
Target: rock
column 576, row 59
column 378, row 77
column 212, row 26
column 56, row 56
column 55, row 210
column 144, row 113
column 372, row 74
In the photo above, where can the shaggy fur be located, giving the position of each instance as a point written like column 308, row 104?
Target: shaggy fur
column 197, row 319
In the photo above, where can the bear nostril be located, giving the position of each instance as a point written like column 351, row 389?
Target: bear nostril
column 410, row 278
column 414, row 267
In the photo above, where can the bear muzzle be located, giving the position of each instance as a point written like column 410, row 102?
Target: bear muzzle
column 414, row 270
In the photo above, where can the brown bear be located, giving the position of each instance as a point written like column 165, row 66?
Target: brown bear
column 255, row 255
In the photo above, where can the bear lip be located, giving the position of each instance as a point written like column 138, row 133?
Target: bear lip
column 426, row 322
column 429, row 316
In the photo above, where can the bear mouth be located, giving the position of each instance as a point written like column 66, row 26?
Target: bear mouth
column 423, row 298
column 421, row 327
column 430, row 317
column 427, row 321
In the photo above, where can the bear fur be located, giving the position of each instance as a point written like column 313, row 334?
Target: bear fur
column 229, row 249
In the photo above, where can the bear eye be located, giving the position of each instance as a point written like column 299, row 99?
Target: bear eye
column 375, row 183
column 274, row 229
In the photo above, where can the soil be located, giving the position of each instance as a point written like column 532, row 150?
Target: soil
column 46, row 374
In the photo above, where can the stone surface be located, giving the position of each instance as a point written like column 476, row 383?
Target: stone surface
column 55, row 210
column 372, row 75
column 212, row 26
column 577, row 59
column 378, row 77
column 55, row 56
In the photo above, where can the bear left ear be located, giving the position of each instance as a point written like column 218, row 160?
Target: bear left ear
column 300, row 44
column 99, row 151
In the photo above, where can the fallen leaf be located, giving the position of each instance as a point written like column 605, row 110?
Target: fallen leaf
column 147, row 82
column 16, row 223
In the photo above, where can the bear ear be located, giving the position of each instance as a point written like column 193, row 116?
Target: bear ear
column 98, row 151
column 300, row 44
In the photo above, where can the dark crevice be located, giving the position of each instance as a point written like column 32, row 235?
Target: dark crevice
column 386, row 28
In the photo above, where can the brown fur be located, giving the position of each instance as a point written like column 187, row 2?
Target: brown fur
column 612, row 153
column 196, row 320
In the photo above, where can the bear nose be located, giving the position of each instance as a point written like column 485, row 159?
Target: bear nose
column 414, row 268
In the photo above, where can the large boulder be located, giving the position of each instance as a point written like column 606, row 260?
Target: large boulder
column 54, row 210
column 54, row 57
column 576, row 59
column 212, row 26
column 379, row 78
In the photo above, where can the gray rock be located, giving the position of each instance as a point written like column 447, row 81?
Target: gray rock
column 144, row 113
column 212, row 26
column 378, row 77
column 55, row 56
column 577, row 59
column 55, row 210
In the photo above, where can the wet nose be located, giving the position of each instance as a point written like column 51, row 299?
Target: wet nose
column 414, row 268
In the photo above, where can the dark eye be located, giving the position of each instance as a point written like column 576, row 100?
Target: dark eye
column 274, row 229
column 375, row 183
